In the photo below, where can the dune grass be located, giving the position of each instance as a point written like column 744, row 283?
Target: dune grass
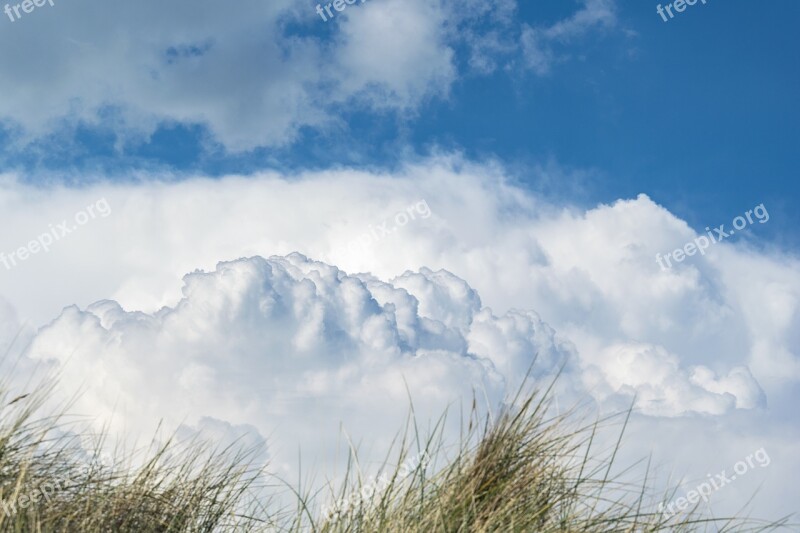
column 525, row 469
column 48, row 481
column 520, row 470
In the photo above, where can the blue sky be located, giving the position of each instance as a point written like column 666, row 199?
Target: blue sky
column 701, row 113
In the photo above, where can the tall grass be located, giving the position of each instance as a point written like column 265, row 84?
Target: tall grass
column 48, row 482
column 523, row 469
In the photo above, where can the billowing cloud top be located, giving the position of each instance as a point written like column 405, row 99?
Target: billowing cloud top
column 285, row 341
column 291, row 346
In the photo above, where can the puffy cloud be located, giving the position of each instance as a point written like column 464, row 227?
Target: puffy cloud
column 395, row 53
column 254, row 75
column 590, row 274
column 135, row 65
column 662, row 387
column 714, row 336
column 293, row 344
column 241, row 72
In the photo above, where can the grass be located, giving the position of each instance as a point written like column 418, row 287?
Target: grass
column 520, row 470
column 48, row 482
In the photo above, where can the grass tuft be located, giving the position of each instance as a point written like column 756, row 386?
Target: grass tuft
column 524, row 469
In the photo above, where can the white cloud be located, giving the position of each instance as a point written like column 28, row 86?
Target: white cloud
column 662, row 387
column 254, row 75
column 716, row 336
column 287, row 343
column 236, row 70
column 394, row 53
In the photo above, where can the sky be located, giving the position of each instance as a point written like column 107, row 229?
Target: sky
column 402, row 190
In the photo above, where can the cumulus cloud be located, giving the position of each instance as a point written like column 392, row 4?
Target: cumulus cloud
column 299, row 346
column 491, row 274
column 239, row 72
column 293, row 344
column 256, row 341
column 589, row 274
column 661, row 387
column 395, row 53
column 256, row 75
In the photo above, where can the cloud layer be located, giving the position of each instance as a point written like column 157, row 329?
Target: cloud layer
column 296, row 346
column 252, row 76
column 490, row 276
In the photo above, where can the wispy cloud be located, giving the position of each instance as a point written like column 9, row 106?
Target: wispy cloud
column 540, row 44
